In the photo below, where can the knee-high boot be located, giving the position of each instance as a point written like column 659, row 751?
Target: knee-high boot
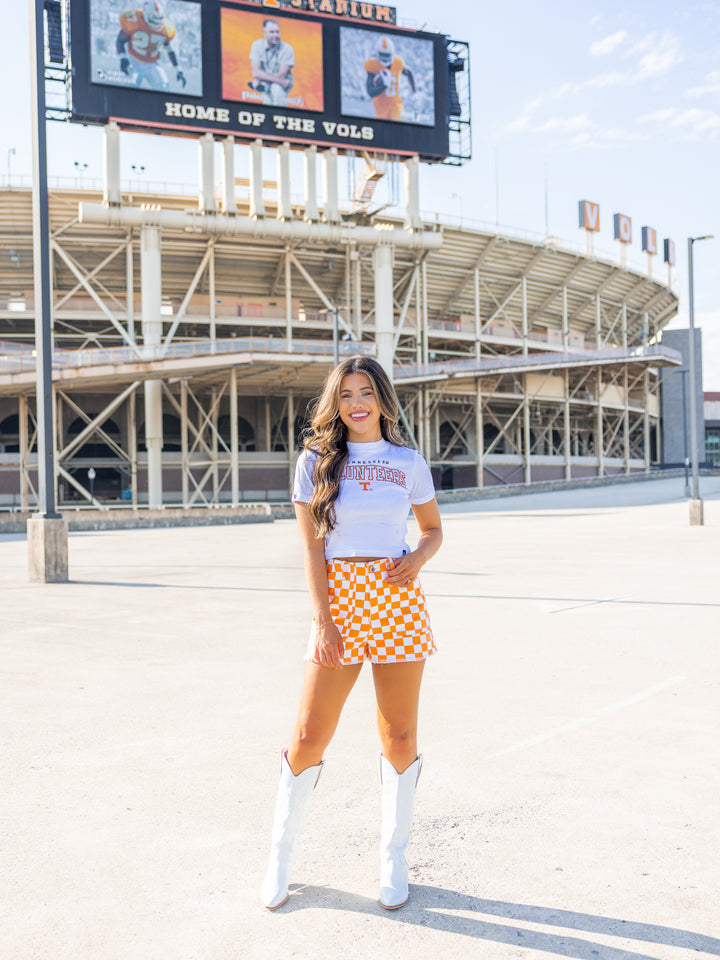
column 292, row 803
column 398, row 794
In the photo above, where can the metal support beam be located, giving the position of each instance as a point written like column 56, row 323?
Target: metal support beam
column 214, row 441
column 291, row 434
column 291, row 231
column 111, row 164
column 268, row 425
column 328, row 303
column 332, row 209
column 257, row 206
column 130, row 288
column 72, row 266
column 190, row 291
column 527, row 451
column 599, row 431
column 206, row 173
column 479, row 433
column 229, row 204
column 211, row 290
column 626, row 422
column 151, row 272
column 284, row 206
column 413, row 220
column 566, row 427
column 132, row 446
column 234, row 462
column 383, row 270
column 47, row 532
column 185, row 459
column 424, row 314
column 312, row 213
column 646, row 420
column 288, row 295
column 478, row 323
column 24, row 451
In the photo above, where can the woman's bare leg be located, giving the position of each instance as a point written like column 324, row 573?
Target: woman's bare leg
column 397, row 689
column 323, row 696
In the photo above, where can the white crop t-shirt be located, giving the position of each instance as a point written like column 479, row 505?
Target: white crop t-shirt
column 379, row 484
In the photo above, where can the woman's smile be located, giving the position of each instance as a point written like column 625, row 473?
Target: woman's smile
column 359, row 409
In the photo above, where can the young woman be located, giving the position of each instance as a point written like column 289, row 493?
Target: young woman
column 355, row 483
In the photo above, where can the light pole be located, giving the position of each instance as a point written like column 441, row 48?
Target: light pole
column 686, row 459
column 696, row 505
column 138, row 169
column 81, row 167
column 47, row 531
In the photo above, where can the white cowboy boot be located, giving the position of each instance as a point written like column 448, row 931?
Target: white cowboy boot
column 292, row 802
column 398, row 793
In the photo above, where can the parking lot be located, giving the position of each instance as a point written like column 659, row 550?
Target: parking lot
column 568, row 804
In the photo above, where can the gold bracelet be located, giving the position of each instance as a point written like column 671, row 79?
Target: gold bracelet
column 323, row 623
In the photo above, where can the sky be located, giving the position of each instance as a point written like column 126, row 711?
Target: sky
column 613, row 102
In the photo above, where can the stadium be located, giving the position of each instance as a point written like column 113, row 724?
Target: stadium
column 515, row 360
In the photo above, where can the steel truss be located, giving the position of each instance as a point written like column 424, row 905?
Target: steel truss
column 476, row 297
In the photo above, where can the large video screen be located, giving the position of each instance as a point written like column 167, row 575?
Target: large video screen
column 386, row 77
column 275, row 70
column 271, row 61
column 150, row 45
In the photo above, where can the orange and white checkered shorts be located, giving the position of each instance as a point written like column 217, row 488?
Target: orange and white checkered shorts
column 377, row 621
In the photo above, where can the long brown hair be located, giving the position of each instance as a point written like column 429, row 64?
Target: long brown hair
column 327, row 435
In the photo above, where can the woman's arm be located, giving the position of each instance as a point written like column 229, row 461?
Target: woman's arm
column 328, row 644
column 428, row 519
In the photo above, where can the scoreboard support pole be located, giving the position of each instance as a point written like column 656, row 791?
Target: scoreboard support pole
column 206, row 173
column 150, row 270
column 384, row 335
column 47, row 530
column 229, row 204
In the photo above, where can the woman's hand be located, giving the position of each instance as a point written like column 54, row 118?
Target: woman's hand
column 328, row 646
column 405, row 569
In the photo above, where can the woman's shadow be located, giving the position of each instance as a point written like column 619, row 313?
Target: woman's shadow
column 437, row 908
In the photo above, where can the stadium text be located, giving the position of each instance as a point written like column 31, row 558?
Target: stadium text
column 192, row 112
column 247, row 118
column 352, row 9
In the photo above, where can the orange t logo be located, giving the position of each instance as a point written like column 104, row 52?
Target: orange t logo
column 365, row 485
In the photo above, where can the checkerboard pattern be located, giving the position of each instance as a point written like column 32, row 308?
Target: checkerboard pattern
column 378, row 621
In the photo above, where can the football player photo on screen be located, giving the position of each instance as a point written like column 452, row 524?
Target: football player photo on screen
column 386, row 77
column 147, row 45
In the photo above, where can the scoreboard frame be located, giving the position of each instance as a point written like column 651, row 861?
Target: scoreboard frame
column 97, row 98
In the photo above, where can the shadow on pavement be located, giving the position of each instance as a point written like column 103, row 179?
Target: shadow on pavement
column 436, row 908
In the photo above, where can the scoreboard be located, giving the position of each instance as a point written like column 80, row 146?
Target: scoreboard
column 329, row 72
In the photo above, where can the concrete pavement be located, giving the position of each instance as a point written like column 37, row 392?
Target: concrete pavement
column 568, row 804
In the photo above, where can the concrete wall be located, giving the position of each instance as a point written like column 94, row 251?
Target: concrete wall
column 674, row 444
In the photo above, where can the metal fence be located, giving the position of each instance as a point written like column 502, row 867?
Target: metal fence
column 23, row 359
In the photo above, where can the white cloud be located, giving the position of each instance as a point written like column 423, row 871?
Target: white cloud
column 607, row 44
column 655, row 54
column 659, row 54
column 693, row 122
column 579, row 122
column 599, row 137
column 711, row 86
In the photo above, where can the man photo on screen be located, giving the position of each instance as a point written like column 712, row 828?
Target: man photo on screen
column 144, row 34
column 384, row 72
column 271, row 62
